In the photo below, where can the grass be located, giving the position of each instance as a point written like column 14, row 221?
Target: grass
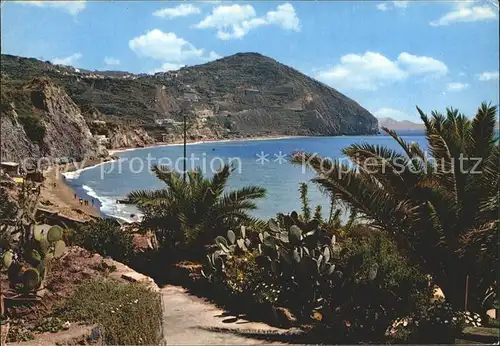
column 128, row 314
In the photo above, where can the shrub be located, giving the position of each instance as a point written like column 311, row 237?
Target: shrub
column 378, row 285
column 106, row 237
column 33, row 126
column 127, row 314
column 434, row 323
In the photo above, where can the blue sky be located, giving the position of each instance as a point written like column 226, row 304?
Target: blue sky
column 389, row 56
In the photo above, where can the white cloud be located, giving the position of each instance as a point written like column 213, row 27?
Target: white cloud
column 235, row 21
column 72, row 7
column 466, row 12
column 372, row 70
column 167, row 67
column 422, row 64
column 182, row 10
column 164, row 46
column 488, row 76
column 457, row 86
column 383, row 6
column 213, row 56
column 401, row 4
column 110, row 61
column 285, row 16
column 69, row 60
column 390, row 113
column 386, row 6
column 223, row 16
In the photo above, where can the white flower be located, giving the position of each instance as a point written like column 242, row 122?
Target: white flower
column 446, row 321
column 66, row 325
column 454, row 318
column 405, row 323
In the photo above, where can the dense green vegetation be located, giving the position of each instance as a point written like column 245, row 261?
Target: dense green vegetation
column 106, row 238
column 426, row 222
column 33, row 126
column 126, row 314
column 441, row 212
column 416, row 223
column 190, row 212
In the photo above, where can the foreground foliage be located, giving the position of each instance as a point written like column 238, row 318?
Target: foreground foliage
column 356, row 285
column 193, row 211
column 127, row 314
column 27, row 251
column 442, row 211
column 105, row 237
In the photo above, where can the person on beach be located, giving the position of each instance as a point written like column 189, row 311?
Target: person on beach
column 75, row 196
column 81, row 201
column 92, row 202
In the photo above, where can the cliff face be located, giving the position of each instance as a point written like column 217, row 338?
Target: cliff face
column 45, row 122
column 124, row 137
column 242, row 95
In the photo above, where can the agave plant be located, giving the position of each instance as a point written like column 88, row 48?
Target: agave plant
column 441, row 210
column 195, row 210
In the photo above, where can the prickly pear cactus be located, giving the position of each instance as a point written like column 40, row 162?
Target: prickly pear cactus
column 54, row 234
column 7, row 258
column 30, row 280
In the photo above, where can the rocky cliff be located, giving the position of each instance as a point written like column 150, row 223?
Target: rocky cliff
column 123, row 137
column 43, row 121
column 243, row 95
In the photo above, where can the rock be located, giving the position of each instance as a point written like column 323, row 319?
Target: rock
column 438, row 294
column 65, row 133
column 124, row 137
column 283, row 317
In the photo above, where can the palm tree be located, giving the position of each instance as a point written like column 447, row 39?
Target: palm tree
column 195, row 210
column 442, row 210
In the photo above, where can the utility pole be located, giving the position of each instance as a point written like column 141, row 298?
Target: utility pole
column 185, row 145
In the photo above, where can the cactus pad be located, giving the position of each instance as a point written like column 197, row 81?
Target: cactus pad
column 35, row 256
column 231, row 236
column 55, row 233
column 8, row 257
column 59, row 248
column 38, row 234
column 30, row 279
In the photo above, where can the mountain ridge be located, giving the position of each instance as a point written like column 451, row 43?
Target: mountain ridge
column 239, row 96
column 394, row 124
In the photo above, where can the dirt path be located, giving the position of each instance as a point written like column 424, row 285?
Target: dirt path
column 189, row 320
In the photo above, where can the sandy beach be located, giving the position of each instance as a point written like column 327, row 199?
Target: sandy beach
column 161, row 144
column 59, row 197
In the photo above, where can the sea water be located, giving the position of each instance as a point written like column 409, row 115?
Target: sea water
column 257, row 162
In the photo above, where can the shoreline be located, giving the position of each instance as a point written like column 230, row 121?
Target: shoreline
column 178, row 143
column 58, row 196
column 61, row 196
